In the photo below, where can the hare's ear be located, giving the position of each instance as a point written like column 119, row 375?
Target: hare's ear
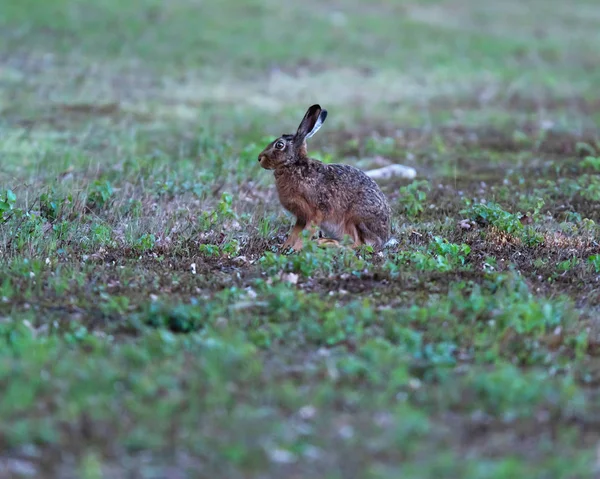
column 318, row 124
column 312, row 121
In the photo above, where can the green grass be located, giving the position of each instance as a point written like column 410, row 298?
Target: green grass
column 150, row 328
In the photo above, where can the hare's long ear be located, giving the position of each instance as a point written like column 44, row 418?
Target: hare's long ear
column 318, row 124
column 312, row 121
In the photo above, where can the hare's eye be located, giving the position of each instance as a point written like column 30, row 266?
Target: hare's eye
column 280, row 145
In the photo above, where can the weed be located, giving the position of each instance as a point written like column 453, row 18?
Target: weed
column 411, row 198
column 99, row 194
column 493, row 214
column 209, row 250
column 179, row 318
column 101, row 234
column 7, row 203
column 50, row 206
column 146, row 242
column 453, row 252
column 592, row 162
column 567, row 264
column 594, row 260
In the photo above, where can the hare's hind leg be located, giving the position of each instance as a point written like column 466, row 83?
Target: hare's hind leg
column 328, row 242
column 334, row 230
column 354, row 233
column 350, row 230
column 367, row 236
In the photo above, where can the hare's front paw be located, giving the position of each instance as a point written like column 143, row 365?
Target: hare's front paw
column 286, row 245
column 295, row 245
column 284, row 248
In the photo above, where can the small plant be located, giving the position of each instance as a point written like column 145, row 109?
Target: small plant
column 179, row 318
column 494, row 215
column 589, row 187
column 566, row 265
column 211, row 250
column 313, row 260
column 99, row 194
column 594, row 260
column 145, row 242
column 51, row 205
column 101, row 234
column 455, row 253
column 582, row 147
column 207, row 220
column 265, row 227
column 224, row 209
column 7, row 203
column 166, row 188
column 440, row 255
column 132, row 207
column 592, row 162
column 231, row 248
column 61, row 229
column 412, row 198
column 573, row 217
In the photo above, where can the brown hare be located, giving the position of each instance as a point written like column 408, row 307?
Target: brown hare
column 340, row 199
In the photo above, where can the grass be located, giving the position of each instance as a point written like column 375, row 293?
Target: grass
column 150, row 328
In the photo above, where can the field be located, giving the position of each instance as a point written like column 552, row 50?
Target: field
column 149, row 327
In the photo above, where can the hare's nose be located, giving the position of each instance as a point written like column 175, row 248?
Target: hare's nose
column 259, row 158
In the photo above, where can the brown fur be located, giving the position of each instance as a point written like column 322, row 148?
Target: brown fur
column 340, row 199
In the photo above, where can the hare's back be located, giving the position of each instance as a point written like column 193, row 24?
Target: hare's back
column 352, row 181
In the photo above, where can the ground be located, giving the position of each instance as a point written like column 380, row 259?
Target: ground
column 150, row 328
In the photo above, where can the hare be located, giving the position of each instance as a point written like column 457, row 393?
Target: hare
column 340, row 199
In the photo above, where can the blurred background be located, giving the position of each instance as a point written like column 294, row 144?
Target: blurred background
column 250, row 67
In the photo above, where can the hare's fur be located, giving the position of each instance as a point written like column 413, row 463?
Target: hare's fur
column 340, row 199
